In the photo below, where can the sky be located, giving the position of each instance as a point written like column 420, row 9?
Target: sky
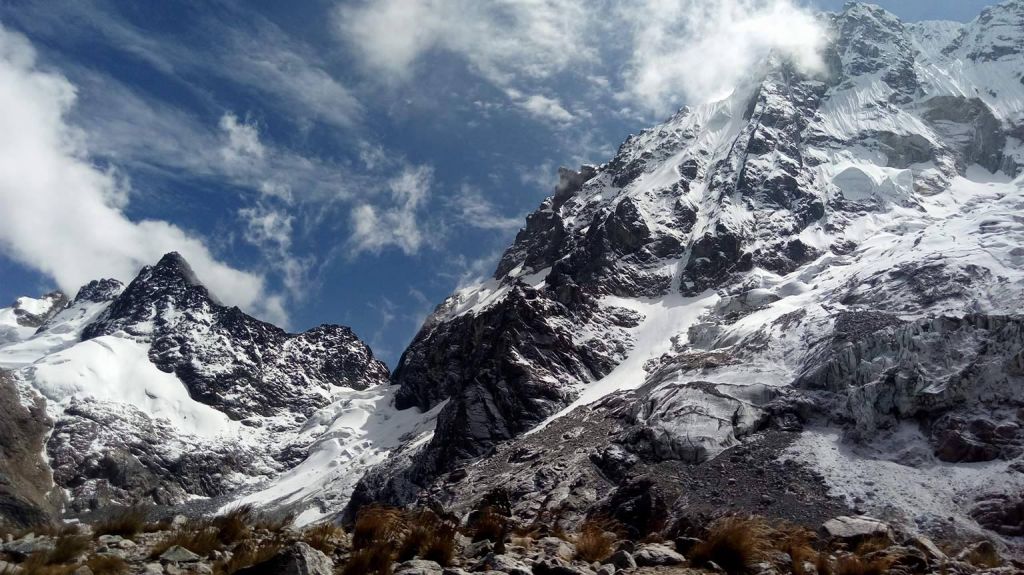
column 348, row 161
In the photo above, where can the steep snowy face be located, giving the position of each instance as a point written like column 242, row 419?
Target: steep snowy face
column 229, row 360
column 727, row 263
column 19, row 321
column 159, row 393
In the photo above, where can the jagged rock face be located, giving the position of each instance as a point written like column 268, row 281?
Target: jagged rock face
column 27, row 496
column 756, row 267
column 158, row 393
column 228, row 359
column 139, row 457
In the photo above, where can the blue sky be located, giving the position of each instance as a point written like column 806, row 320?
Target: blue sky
column 336, row 162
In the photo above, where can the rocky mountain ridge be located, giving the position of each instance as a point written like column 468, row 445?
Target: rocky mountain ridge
column 158, row 393
column 804, row 299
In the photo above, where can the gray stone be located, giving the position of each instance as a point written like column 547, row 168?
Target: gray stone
column 153, row 569
column 299, row 559
column 506, row 564
column 418, row 567
column 22, row 548
column 179, row 554
column 478, row 549
column 858, row 527
column 623, row 559
column 656, row 554
column 606, row 570
column 555, row 547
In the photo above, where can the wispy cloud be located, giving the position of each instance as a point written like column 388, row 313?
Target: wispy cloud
column 671, row 50
column 398, row 223
column 63, row 216
column 477, row 211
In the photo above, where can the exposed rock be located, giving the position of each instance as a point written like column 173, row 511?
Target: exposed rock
column 178, row 554
column 656, row 554
column 299, row 559
column 856, row 528
column 417, row 567
column 27, row 494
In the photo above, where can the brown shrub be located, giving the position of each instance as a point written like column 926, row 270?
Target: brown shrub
column 985, row 556
column 489, row 525
column 247, row 554
column 67, row 549
column 734, row 543
column 199, row 538
column 593, row 543
column 38, row 564
column 796, row 542
column 233, row 526
column 373, row 560
column 853, row 565
column 125, row 522
column 377, row 524
column 873, row 544
column 324, row 537
column 428, row 537
column 107, row 565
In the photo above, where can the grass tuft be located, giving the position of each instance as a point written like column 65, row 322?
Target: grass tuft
column 853, row 565
column 373, row 560
column 377, row 524
column 736, row 544
column 125, row 522
column 428, row 537
column 247, row 554
column 594, row 541
column 324, row 537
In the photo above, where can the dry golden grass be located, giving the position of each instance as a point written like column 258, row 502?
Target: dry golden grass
column 36, row 564
column 247, row 554
column 325, row 537
column 985, row 557
column 489, row 525
column 734, row 543
column 67, row 549
column 107, row 565
column 373, row 560
column 796, row 542
column 428, row 537
column 854, row 565
column 377, row 524
column 595, row 540
column 125, row 522
column 200, row 539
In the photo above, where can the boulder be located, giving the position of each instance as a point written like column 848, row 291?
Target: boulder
column 179, row 554
column 299, row 559
column 856, row 528
column 623, row 559
column 418, row 567
column 657, row 555
column 506, row 564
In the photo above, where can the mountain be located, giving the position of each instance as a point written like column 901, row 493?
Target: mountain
column 801, row 299
column 156, row 392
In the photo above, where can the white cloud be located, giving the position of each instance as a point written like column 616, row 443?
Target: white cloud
column 243, row 144
column 674, row 50
column 398, row 224
column 704, row 49
column 62, row 215
column 503, row 40
column 476, row 211
column 546, row 108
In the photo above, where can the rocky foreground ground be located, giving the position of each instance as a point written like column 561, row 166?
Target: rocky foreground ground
column 388, row 541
